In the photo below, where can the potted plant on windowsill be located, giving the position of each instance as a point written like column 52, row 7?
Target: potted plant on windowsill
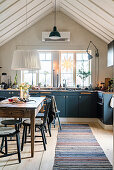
column 83, row 74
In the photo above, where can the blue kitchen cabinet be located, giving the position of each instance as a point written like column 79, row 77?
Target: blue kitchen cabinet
column 60, row 101
column 88, row 105
column 34, row 94
column 6, row 94
column 15, row 93
column 2, row 94
column 108, row 111
column 104, row 111
column 72, row 106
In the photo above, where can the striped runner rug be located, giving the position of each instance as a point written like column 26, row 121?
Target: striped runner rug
column 78, row 149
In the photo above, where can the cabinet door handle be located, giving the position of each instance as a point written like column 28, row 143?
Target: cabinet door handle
column 80, row 97
column 66, row 96
column 12, row 92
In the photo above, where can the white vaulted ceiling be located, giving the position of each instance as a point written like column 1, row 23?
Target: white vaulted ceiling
column 95, row 15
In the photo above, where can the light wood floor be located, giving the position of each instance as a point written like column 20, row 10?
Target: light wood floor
column 43, row 160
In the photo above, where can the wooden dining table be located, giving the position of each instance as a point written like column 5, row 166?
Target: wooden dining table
column 23, row 110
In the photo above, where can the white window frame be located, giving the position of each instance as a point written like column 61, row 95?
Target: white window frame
column 37, row 72
column 74, row 65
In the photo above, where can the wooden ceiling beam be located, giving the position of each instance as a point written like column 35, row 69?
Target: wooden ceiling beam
column 82, row 20
column 84, row 25
column 22, row 27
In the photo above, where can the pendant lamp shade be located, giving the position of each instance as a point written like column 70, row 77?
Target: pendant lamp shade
column 26, row 60
column 55, row 34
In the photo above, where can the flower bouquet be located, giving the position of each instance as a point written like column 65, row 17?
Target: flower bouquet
column 24, row 91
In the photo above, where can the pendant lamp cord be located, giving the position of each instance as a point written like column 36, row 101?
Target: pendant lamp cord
column 26, row 13
column 55, row 15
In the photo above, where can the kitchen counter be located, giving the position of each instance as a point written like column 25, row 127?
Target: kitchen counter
column 74, row 103
column 59, row 90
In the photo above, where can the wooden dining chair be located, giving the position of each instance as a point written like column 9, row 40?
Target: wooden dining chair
column 6, row 132
column 56, row 111
column 41, row 115
column 40, row 124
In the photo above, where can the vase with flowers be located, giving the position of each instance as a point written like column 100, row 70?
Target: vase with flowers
column 24, row 91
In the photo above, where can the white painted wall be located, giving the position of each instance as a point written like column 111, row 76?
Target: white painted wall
column 32, row 39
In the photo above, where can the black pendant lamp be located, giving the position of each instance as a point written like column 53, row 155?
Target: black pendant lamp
column 54, row 34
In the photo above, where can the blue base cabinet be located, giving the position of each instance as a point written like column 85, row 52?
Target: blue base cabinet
column 88, row 105
column 72, row 106
column 104, row 111
column 60, row 101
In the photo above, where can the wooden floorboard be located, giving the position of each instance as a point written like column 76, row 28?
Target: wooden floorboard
column 43, row 160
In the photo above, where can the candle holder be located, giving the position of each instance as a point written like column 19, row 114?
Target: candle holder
column 24, row 91
column 57, row 79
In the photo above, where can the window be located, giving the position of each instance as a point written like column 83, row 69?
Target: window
column 66, row 67
column 83, row 70
column 75, row 68
column 43, row 76
column 29, row 76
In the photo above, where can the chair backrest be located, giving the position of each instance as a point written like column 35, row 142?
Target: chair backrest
column 47, row 107
column 52, row 110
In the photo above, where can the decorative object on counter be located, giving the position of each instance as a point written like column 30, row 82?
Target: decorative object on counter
column 102, row 86
column 55, row 34
column 53, row 77
column 83, row 74
column 15, row 80
column 96, row 56
column 107, row 82
column 64, row 84
column 111, row 85
column 45, row 73
column 57, row 79
column 39, row 85
column 9, row 82
column 24, row 91
column 15, row 85
column 4, row 81
column 60, row 86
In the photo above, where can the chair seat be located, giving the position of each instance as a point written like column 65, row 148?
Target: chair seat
column 10, row 122
column 40, row 115
column 4, row 131
column 38, row 122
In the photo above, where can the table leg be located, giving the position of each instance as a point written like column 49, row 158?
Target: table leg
column 32, row 134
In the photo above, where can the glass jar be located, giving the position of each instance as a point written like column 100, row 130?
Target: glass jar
column 25, row 93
